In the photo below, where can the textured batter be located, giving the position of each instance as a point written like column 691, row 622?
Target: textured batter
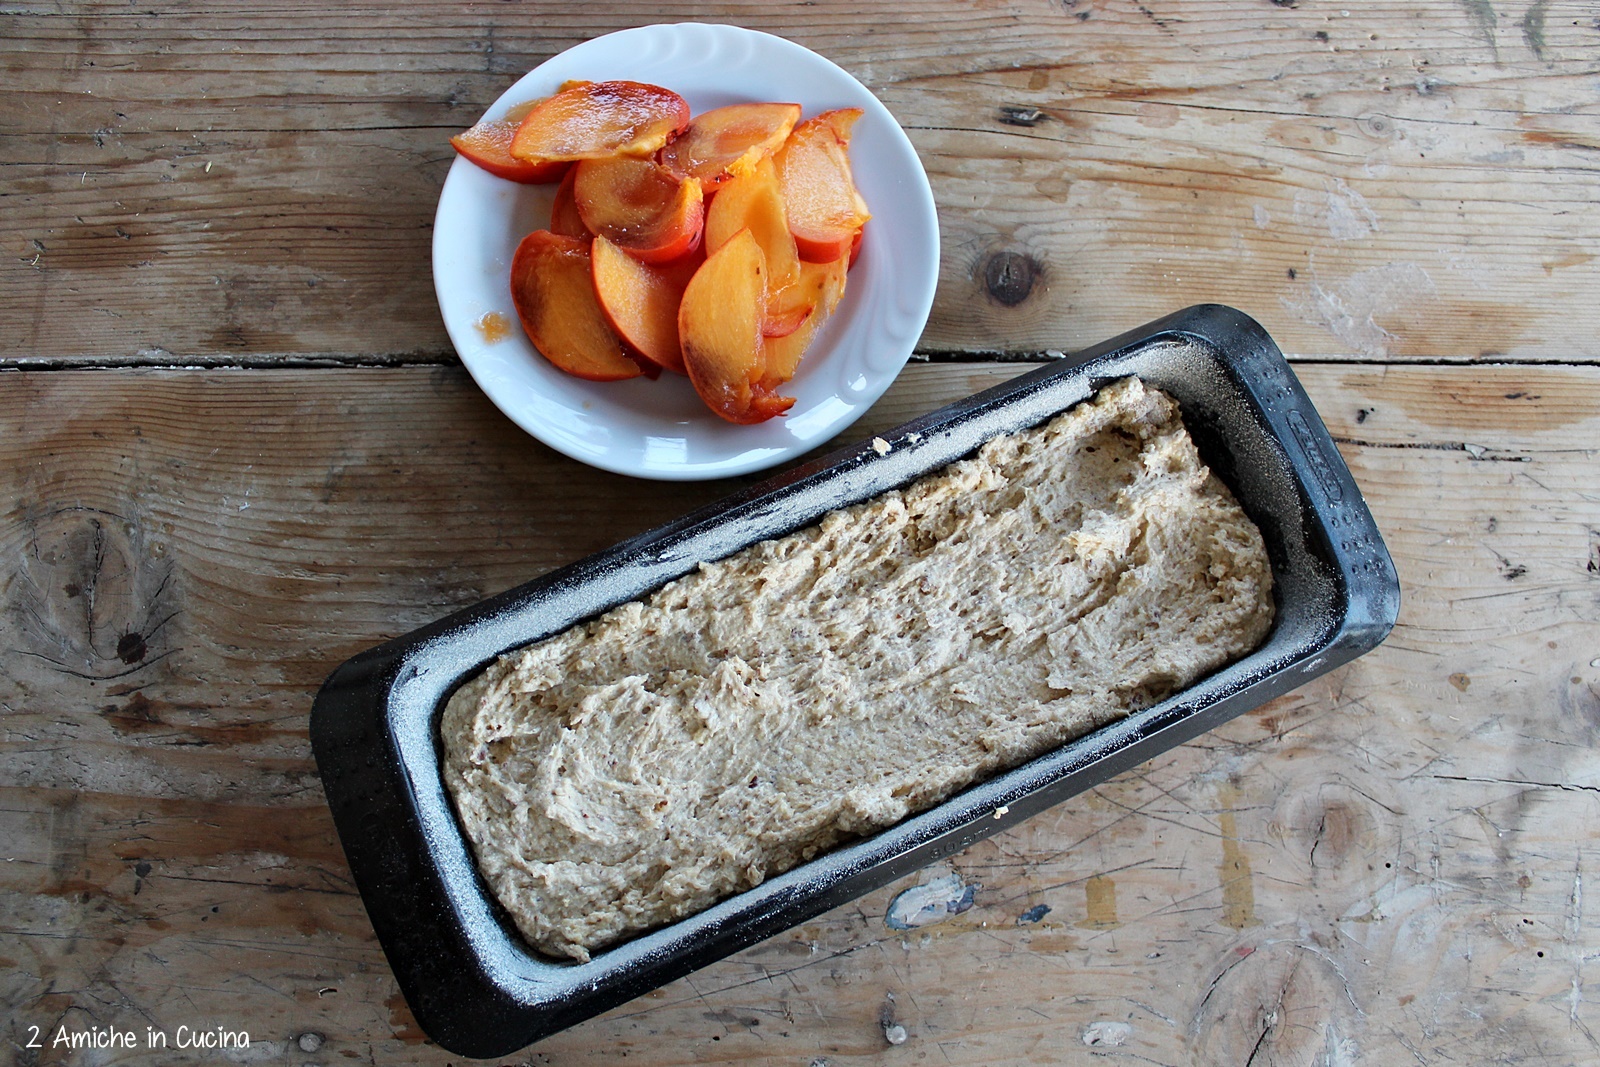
column 819, row 686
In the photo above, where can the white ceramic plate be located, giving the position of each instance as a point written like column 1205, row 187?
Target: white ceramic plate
column 661, row 429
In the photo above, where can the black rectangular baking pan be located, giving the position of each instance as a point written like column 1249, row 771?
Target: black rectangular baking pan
column 480, row 991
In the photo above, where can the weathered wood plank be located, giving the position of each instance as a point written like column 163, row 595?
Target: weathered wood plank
column 1387, row 865
column 198, row 183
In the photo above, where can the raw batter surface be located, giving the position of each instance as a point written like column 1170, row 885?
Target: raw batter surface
column 638, row 768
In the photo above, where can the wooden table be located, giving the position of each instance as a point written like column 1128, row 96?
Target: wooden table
column 237, row 448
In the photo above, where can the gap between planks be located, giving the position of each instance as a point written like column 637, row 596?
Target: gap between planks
column 332, row 361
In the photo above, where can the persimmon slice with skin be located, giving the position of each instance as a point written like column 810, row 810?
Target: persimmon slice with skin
column 564, row 217
column 784, row 319
column 646, row 210
column 753, row 202
column 825, row 210
column 598, row 120
column 727, row 142
column 552, row 287
column 641, row 302
column 819, row 289
column 488, row 144
column 719, row 326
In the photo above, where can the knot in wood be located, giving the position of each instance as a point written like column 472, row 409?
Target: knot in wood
column 1335, row 836
column 91, row 603
column 131, row 647
column 1378, row 127
column 1009, row 277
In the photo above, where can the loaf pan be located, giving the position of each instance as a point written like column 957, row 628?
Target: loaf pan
column 478, row 990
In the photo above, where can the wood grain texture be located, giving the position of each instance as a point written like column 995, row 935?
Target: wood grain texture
column 203, row 183
column 1394, row 864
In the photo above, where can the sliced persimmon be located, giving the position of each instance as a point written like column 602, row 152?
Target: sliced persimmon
column 597, row 120
column 727, row 142
column 488, row 144
column 754, row 202
column 645, row 209
column 552, row 287
column 564, row 217
column 641, row 302
column 719, row 327
column 825, row 210
column 784, row 319
column 819, row 290
column 683, row 268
